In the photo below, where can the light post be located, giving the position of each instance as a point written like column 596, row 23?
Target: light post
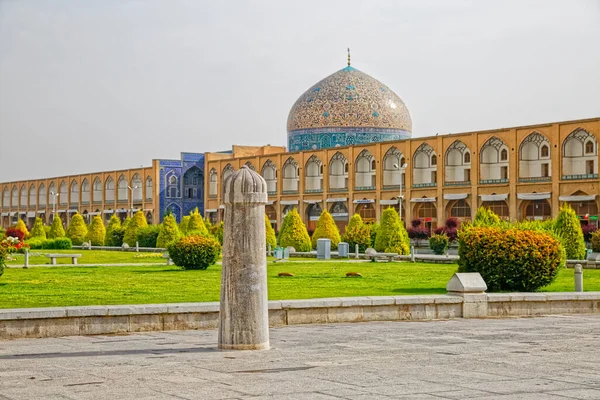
column 400, row 197
column 54, row 196
column 131, row 189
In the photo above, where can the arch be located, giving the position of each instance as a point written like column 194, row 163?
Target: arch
column 42, row 195
column 97, row 190
column 290, row 176
column 393, row 176
column 532, row 164
column 467, row 158
column 287, row 208
column 427, row 212
column 579, row 155
column 313, row 174
column 74, row 192
column 14, row 202
column 364, row 172
column 458, row 160
column 313, row 212
column 424, row 166
column 149, row 189
column 460, row 209
column 269, row 173
column 122, row 189
column 23, row 199
column 193, row 181
column 63, row 197
column 493, row 161
column 52, row 192
column 455, row 153
column 536, row 210
column 249, row 165
column 213, row 185
column 227, row 172
column 32, row 195
column 367, row 212
column 6, row 198
column 175, row 209
column 149, row 217
column 340, row 215
column 172, row 184
column 585, row 208
column 85, row 191
column 500, row 208
column 109, row 190
column 338, row 172
column 136, row 185
column 271, row 214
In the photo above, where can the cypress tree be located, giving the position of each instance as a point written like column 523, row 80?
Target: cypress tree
column 270, row 232
column 38, row 231
column 169, row 232
column 568, row 228
column 183, row 225
column 196, row 224
column 96, row 232
column 77, row 230
column 56, row 230
column 486, row 217
column 357, row 233
column 137, row 222
column 326, row 229
column 293, row 232
column 113, row 225
column 392, row 236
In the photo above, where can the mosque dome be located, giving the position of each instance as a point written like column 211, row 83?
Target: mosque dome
column 348, row 107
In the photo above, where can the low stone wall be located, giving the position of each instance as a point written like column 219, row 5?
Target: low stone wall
column 96, row 320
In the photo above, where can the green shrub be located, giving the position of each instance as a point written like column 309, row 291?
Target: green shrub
column 196, row 223
column 595, row 241
column 217, row 232
column 326, row 229
column 126, row 222
column 47, row 229
column 97, row 232
column 3, row 255
column 35, row 243
column 374, row 230
column 357, row 233
column 56, row 230
column 148, row 236
column 270, row 232
column 169, row 232
column 136, row 223
column 194, row 252
column 392, row 236
column 183, row 225
column 63, row 243
column 510, row 259
column 38, row 231
column 486, row 217
column 293, row 232
column 568, row 227
column 77, row 230
column 20, row 225
column 114, row 239
column 439, row 243
column 196, row 232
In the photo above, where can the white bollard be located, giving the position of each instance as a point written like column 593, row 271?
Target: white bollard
column 356, row 248
column 137, row 247
column 412, row 253
column 578, row 278
column 26, row 259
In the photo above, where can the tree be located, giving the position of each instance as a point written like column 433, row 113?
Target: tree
column 326, row 229
column 293, row 232
column 568, row 227
column 38, row 231
column 217, row 231
column 357, row 233
column 20, row 225
column 486, row 217
column 418, row 232
column 56, row 230
column 183, row 225
column 114, row 225
column 270, row 232
column 96, row 233
column 169, row 232
column 137, row 222
column 196, row 223
column 392, row 236
column 77, row 230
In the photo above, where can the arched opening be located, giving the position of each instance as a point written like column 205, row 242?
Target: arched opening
column 97, row 191
column 123, row 191
column 63, row 198
column 313, row 175
column 5, row 198
column 14, row 197
column 458, row 164
column 500, row 208
column 271, row 215
column 32, row 196
column 424, row 166
column 427, row 213
column 23, row 202
column 109, row 190
column 338, row 173
column 193, row 181
column 74, row 198
column 290, row 176
column 85, row 192
column 459, row 209
column 493, row 162
column 52, row 193
column 313, row 212
column 149, row 189
column 227, row 172
column 533, row 165
column 537, row 210
column 269, row 173
column 137, row 189
column 579, row 156
column 367, row 212
column 42, row 196
column 339, row 212
column 393, row 175
column 213, row 185
column 149, row 217
column 172, row 185
column 584, row 205
column 364, row 171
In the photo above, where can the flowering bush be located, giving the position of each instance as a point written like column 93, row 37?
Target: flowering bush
column 194, row 252
column 15, row 233
column 148, row 255
column 13, row 245
column 587, row 232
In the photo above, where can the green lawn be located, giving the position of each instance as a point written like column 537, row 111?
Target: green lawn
column 87, row 257
column 67, row 286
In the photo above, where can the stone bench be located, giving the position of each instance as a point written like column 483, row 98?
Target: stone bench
column 375, row 256
column 53, row 257
column 168, row 257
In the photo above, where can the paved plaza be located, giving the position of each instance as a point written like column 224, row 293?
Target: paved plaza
column 518, row 358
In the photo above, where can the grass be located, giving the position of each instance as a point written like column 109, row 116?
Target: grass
column 69, row 286
column 87, row 257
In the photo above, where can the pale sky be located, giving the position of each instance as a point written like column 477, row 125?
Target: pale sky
column 100, row 85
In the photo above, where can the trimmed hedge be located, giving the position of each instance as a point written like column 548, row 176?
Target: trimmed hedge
column 392, row 236
column 270, row 233
column 196, row 223
column 357, row 233
column 510, row 259
column 77, row 230
column 56, row 230
column 439, row 243
column 194, row 252
column 486, row 217
column 595, row 240
column 326, row 229
column 169, row 232
column 148, row 236
column 568, row 227
column 131, row 228
column 293, row 232
column 217, row 231
column 63, row 243
column 38, row 231
column 97, row 232
column 111, row 237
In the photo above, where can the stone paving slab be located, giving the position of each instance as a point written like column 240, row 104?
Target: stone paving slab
column 553, row 357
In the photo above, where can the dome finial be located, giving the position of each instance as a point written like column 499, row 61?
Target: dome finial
column 348, row 56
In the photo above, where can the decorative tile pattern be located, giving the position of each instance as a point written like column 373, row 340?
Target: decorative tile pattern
column 179, row 205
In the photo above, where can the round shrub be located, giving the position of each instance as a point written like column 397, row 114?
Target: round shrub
column 16, row 233
column 293, row 232
column 194, row 252
column 326, row 229
column 392, row 236
column 38, row 231
column 169, row 232
column 56, row 230
column 114, row 232
column 357, row 233
column 96, row 233
column 510, row 259
column 439, row 243
column 77, row 230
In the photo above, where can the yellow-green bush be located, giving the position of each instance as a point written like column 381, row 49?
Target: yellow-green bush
column 392, row 236
column 568, row 227
column 270, row 232
column 114, row 232
column 169, row 232
column 196, row 223
column 217, row 232
column 293, row 232
column 38, row 231
column 194, row 252
column 439, row 243
column 485, row 217
column 136, row 223
column 183, row 225
column 56, row 230
column 77, row 230
column 357, row 233
column 96, row 232
column 20, row 225
column 509, row 258
column 326, row 229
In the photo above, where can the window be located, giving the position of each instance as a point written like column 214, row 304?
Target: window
column 402, row 162
column 467, row 158
column 461, row 209
column 504, row 173
column 545, row 151
column 373, row 164
column 433, row 160
column 589, row 167
column 504, row 155
column 545, row 170
column 346, row 168
column 433, row 176
column 467, row 175
column 173, row 192
column 589, row 147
